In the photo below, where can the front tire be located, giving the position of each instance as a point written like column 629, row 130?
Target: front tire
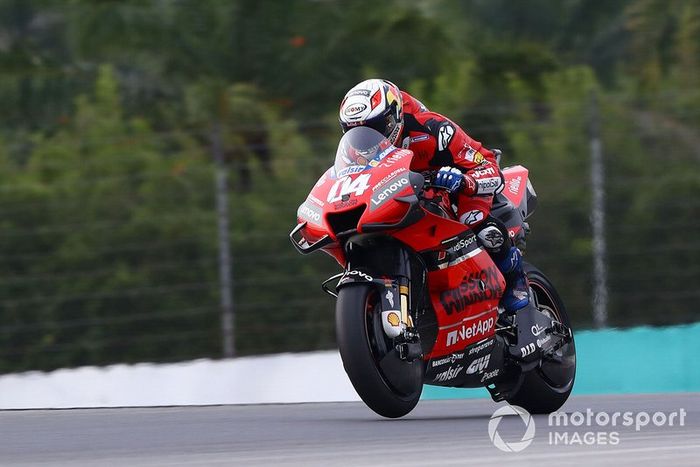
column 546, row 388
column 388, row 385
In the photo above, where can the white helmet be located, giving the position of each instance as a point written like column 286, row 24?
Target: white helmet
column 375, row 103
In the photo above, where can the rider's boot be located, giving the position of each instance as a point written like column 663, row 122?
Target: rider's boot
column 517, row 293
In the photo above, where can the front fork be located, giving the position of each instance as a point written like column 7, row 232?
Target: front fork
column 398, row 324
column 394, row 287
column 395, row 297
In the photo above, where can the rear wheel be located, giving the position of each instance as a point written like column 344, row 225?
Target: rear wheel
column 387, row 384
column 546, row 388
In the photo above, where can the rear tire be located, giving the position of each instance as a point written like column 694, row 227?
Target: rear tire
column 366, row 351
column 546, row 388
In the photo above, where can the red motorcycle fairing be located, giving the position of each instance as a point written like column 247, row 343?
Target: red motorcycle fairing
column 515, row 188
column 464, row 285
column 368, row 194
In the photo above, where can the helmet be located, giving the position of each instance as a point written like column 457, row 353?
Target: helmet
column 375, row 103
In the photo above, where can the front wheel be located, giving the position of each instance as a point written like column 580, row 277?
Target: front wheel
column 546, row 388
column 387, row 384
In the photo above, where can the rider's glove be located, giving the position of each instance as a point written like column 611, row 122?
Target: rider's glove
column 453, row 180
column 449, row 178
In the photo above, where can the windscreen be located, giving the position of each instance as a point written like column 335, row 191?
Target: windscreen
column 359, row 149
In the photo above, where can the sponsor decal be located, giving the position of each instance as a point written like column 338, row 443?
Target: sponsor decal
column 463, row 243
column 488, row 185
column 392, row 187
column 394, row 158
column 315, row 200
column 472, row 217
column 490, row 374
column 466, row 332
column 445, row 134
column 472, row 155
column 527, row 350
column 390, row 297
column 536, row 330
column 544, row 340
column 478, row 348
column 479, row 365
column 418, row 139
column 393, row 318
column 483, row 173
column 450, row 359
column 468, row 153
column 345, row 204
column 514, row 184
column 357, row 273
column 476, row 287
column 393, row 174
column 450, row 373
column 355, row 109
column 358, row 92
column 460, row 259
column 353, row 169
column 384, row 153
column 481, row 347
column 347, row 186
column 310, row 213
column 458, row 252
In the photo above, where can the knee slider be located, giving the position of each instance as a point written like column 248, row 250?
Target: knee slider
column 491, row 238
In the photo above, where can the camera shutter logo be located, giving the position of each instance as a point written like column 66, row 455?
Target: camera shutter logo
column 529, row 428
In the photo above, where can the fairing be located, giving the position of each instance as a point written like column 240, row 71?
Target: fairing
column 371, row 183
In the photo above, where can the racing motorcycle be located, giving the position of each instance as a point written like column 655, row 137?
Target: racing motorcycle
column 417, row 301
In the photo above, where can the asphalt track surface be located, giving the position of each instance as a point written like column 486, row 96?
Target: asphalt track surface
column 435, row 433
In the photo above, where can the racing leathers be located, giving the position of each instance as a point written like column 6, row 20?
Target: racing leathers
column 440, row 144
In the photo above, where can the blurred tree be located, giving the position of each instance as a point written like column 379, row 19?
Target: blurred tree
column 108, row 236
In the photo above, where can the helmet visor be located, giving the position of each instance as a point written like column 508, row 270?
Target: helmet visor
column 360, row 148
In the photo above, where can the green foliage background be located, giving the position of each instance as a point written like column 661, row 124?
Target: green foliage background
column 108, row 243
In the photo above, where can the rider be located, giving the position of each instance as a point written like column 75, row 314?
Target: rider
column 464, row 166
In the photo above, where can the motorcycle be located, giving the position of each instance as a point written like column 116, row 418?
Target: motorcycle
column 417, row 301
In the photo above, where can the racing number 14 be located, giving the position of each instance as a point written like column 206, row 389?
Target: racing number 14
column 348, row 186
